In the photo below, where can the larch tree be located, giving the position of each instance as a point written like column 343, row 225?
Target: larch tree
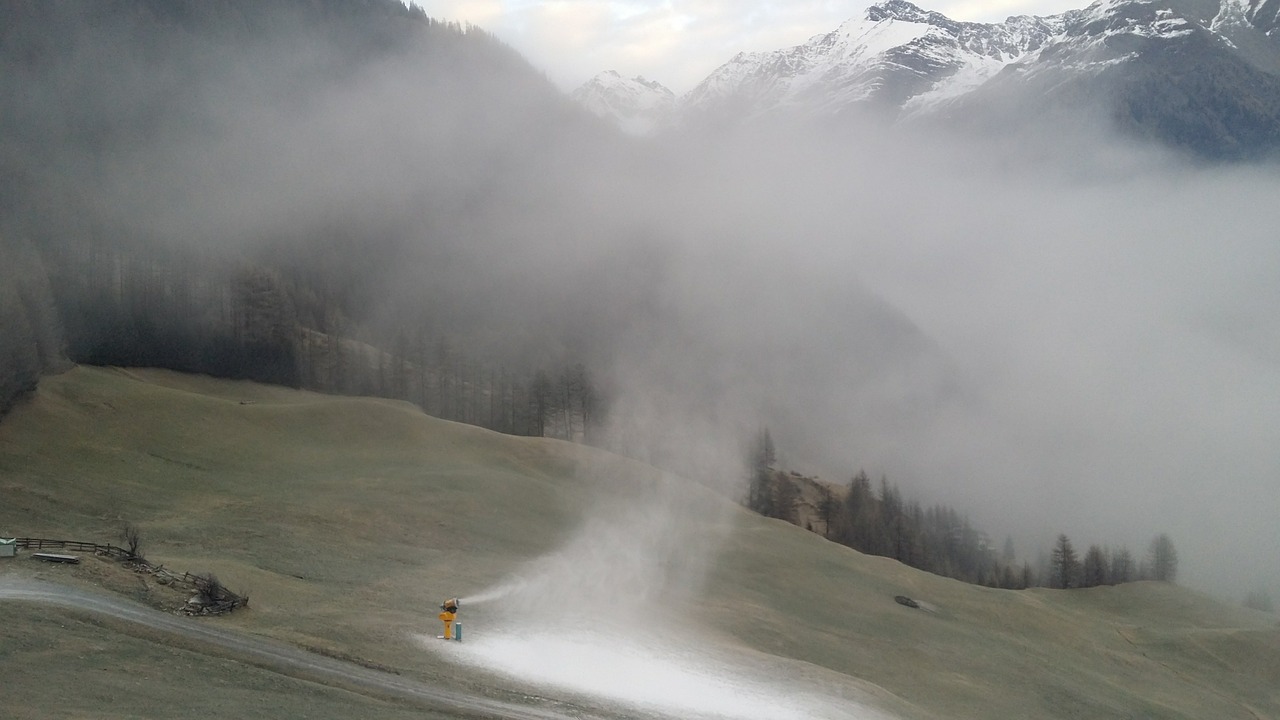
column 1007, row 555
column 760, row 493
column 1122, row 570
column 1163, row 558
column 1095, row 567
column 1064, row 564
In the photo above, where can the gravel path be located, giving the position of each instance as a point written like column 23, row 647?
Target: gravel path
column 279, row 657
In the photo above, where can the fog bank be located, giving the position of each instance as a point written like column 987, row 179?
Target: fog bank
column 1056, row 333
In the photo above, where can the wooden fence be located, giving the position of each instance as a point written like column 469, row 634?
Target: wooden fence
column 75, row 545
column 220, row 600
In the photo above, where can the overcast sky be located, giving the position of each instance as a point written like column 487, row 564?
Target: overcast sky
column 678, row 42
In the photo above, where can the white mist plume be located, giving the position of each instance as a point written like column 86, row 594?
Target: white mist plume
column 646, row 543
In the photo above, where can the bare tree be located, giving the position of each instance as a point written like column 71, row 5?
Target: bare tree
column 211, row 588
column 132, row 538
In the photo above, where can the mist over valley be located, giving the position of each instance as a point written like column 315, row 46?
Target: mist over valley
column 1054, row 325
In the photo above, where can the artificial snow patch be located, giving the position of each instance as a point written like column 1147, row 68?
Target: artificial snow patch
column 648, row 673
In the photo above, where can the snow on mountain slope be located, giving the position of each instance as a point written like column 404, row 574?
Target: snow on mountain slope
column 1196, row 75
column 1110, row 33
column 1253, row 28
column 835, row 60
column 1200, row 74
column 1261, row 14
column 893, row 53
column 637, row 105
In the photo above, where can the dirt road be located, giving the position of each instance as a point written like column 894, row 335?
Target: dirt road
column 279, row 657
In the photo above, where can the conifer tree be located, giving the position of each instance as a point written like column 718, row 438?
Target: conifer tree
column 1064, row 564
column 760, row 493
column 1163, row 559
column 1094, row 570
column 1122, row 570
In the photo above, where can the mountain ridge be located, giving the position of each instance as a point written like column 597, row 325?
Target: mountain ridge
column 640, row 106
column 901, row 62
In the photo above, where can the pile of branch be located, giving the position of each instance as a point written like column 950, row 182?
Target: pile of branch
column 212, row 597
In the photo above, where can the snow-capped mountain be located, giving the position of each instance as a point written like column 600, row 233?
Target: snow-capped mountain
column 1199, row 75
column 637, row 105
column 891, row 56
column 1203, row 75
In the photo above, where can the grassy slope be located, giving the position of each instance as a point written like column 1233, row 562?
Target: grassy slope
column 61, row 664
column 346, row 520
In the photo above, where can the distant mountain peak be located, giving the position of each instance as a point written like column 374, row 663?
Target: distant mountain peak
column 637, row 105
column 1119, row 58
column 887, row 57
column 900, row 10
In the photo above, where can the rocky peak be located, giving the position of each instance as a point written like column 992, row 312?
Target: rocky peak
column 637, row 105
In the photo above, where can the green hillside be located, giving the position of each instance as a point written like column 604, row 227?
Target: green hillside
column 347, row 520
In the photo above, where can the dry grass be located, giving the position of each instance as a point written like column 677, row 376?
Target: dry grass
column 346, row 520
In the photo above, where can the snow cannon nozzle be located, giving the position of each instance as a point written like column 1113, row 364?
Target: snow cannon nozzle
column 450, row 605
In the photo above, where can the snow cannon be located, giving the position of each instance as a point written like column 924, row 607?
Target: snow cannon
column 449, row 613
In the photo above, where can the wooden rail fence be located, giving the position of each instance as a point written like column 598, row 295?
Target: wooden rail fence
column 220, row 599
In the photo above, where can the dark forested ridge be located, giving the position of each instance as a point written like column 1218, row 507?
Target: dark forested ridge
column 275, row 191
column 31, row 341
column 352, row 197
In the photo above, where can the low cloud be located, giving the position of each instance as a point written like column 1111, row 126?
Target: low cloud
column 1079, row 341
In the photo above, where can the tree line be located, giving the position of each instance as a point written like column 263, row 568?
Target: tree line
column 1102, row 566
column 937, row 538
column 137, row 305
column 354, row 295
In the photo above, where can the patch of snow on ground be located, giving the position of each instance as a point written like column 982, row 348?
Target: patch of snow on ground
column 648, row 673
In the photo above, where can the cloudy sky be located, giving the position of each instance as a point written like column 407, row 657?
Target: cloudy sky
column 678, row 42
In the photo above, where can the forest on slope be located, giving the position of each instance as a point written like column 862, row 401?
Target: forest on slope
column 272, row 191
column 355, row 198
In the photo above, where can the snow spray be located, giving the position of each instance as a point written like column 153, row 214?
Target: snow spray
column 495, row 593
